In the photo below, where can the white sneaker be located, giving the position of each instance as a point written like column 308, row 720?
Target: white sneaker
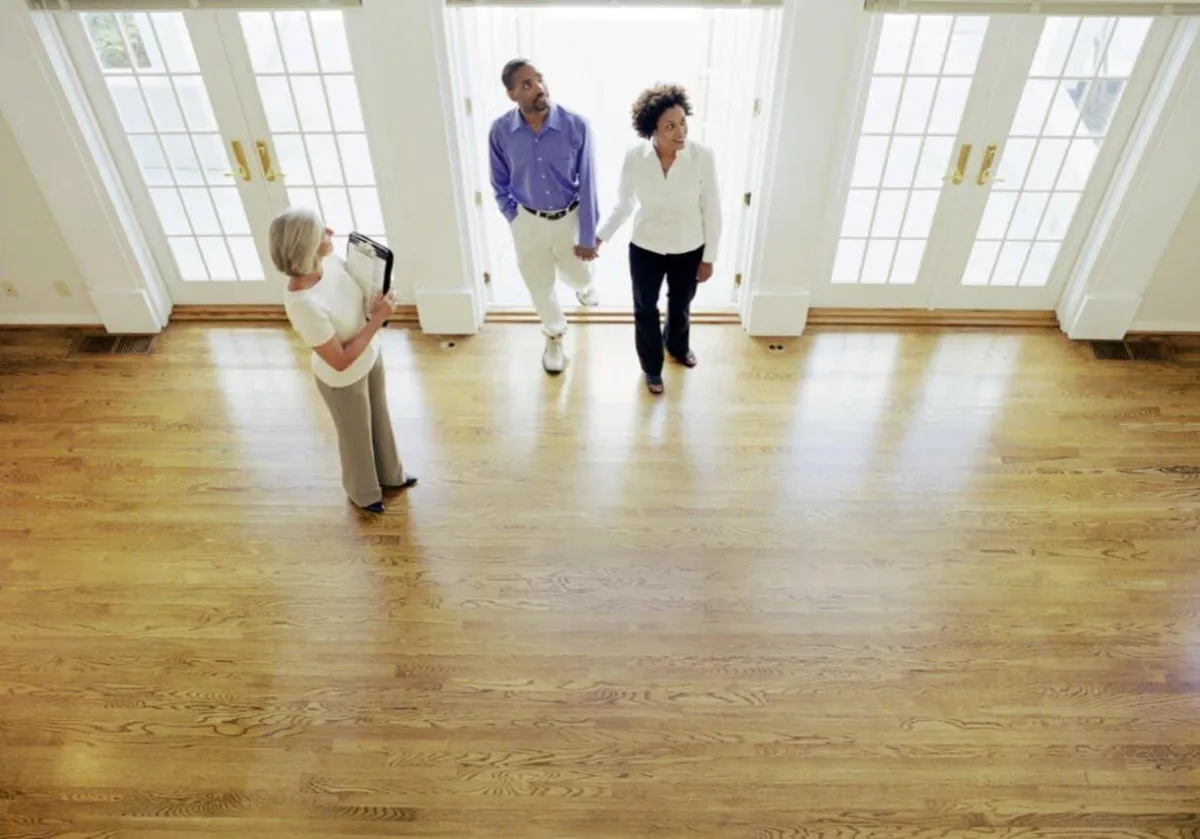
column 588, row 297
column 554, row 359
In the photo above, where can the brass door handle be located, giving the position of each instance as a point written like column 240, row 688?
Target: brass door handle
column 960, row 171
column 243, row 168
column 985, row 169
column 264, row 160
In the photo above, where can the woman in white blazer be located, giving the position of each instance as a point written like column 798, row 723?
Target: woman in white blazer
column 677, row 230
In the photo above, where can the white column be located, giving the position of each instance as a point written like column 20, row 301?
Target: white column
column 1149, row 195
column 821, row 56
column 406, row 87
column 51, row 122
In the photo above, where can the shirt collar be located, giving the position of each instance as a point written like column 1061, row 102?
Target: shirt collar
column 648, row 150
column 554, row 119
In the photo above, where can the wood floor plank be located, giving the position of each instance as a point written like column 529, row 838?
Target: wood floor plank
column 911, row 584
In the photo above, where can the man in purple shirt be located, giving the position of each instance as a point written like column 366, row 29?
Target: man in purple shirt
column 543, row 173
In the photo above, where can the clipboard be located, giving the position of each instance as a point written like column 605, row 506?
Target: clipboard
column 370, row 264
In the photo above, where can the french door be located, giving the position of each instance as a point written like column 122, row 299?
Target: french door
column 981, row 154
column 219, row 120
column 723, row 57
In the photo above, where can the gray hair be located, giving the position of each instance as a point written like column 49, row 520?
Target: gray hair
column 295, row 238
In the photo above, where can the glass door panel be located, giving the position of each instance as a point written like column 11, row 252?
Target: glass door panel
column 302, row 103
column 910, row 138
column 1072, row 92
column 1040, row 128
column 149, row 75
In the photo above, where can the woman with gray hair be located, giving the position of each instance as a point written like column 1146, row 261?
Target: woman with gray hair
column 328, row 309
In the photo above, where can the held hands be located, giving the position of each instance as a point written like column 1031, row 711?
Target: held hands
column 381, row 307
column 587, row 254
column 704, row 272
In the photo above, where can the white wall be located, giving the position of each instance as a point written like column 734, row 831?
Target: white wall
column 33, row 253
column 1172, row 300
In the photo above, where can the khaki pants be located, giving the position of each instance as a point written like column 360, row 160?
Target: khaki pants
column 546, row 249
column 364, row 429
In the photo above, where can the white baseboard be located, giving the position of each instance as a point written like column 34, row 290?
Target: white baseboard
column 13, row 319
column 448, row 312
column 776, row 315
column 1100, row 317
column 1166, row 326
column 128, row 312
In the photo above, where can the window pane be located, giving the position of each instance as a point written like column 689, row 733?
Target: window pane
column 881, row 105
column 343, row 100
column 915, row 105
column 878, row 263
column 356, row 159
column 216, row 257
column 310, row 103
column 197, row 110
column 330, row 33
column 894, row 43
column 200, row 211
column 298, row 50
column 860, row 205
column 187, row 257
column 849, row 258
column 335, row 209
column 929, row 49
column 170, row 212
column 151, row 160
column 183, row 159
column 246, row 259
column 365, row 201
column 131, row 108
column 259, row 32
column 163, row 106
column 175, row 42
column 277, row 102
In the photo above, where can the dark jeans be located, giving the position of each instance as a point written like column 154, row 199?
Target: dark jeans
column 647, row 270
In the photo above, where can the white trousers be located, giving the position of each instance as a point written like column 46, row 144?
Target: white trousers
column 545, row 248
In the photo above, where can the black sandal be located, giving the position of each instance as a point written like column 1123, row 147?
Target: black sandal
column 688, row 360
column 654, row 384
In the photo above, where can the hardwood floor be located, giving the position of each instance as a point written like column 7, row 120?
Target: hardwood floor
column 880, row 584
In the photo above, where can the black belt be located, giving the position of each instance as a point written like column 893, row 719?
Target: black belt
column 552, row 215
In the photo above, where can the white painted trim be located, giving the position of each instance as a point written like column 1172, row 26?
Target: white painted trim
column 1166, row 326
column 49, row 320
column 819, row 40
column 448, row 312
column 777, row 314
column 1148, row 194
column 104, row 168
column 1102, row 317
column 1135, row 8
column 52, row 124
column 432, row 246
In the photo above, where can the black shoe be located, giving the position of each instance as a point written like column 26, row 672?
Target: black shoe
column 410, row 481
column 377, row 507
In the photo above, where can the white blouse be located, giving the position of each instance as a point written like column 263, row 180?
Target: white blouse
column 677, row 212
column 334, row 307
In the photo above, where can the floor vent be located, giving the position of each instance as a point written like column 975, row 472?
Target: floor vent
column 114, row 345
column 1130, row 350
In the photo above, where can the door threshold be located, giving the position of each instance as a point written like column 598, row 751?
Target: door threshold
column 977, row 318
column 604, row 314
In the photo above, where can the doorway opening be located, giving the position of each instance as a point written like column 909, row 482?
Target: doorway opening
column 596, row 60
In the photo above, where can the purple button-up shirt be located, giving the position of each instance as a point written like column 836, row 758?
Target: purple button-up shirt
column 545, row 171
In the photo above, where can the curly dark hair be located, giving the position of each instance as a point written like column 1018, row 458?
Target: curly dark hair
column 655, row 101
